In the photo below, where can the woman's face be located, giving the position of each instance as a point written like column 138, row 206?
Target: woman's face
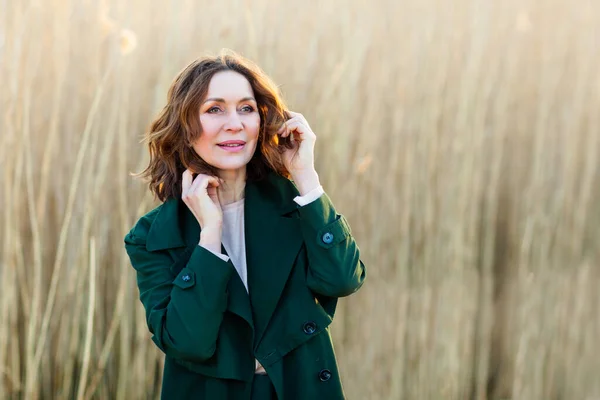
column 230, row 123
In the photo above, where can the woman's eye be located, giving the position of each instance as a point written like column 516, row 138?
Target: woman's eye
column 212, row 110
column 247, row 109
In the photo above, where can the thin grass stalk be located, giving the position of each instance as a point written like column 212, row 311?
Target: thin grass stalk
column 70, row 347
column 15, row 345
column 36, row 245
column 90, row 321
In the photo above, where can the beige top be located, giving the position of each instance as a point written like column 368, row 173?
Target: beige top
column 234, row 241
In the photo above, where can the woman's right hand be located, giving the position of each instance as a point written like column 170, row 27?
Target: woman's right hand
column 200, row 196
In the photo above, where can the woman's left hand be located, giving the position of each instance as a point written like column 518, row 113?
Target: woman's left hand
column 300, row 159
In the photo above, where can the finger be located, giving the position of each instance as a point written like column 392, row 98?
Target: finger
column 214, row 181
column 292, row 114
column 186, row 181
column 210, row 189
column 286, row 126
column 282, row 127
column 213, row 193
column 202, row 182
column 297, row 116
column 197, row 183
column 295, row 127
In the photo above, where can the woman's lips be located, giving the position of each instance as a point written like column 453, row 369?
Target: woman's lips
column 232, row 149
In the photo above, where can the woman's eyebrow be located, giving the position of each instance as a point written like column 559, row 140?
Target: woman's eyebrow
column 220, row 100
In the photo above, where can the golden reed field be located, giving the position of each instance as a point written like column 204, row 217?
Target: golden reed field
column 461, row 139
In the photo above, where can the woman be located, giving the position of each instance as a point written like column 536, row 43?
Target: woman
column 239, row 269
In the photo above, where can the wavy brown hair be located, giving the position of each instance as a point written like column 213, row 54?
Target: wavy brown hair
column 171, row 134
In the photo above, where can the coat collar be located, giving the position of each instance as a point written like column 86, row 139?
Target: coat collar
column 167, row 231
column 273, row 240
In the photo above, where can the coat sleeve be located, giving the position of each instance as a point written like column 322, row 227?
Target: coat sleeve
column 183, row 312
column 335, row 268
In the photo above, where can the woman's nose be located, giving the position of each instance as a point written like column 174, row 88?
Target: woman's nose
column 234, row 122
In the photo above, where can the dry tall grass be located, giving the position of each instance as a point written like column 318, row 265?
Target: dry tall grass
column 459, row 138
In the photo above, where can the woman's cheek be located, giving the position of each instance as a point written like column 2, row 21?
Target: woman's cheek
column 255, row 124
column 209, row 125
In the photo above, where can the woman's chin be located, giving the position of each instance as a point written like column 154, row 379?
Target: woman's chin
column 231, row 166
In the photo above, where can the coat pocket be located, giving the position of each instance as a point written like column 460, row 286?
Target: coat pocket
column 301, row 328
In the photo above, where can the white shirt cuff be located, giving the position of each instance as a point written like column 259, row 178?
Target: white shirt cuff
column 221, row 256
column 310, row 196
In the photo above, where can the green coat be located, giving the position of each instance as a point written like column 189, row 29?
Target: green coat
column 299, row 259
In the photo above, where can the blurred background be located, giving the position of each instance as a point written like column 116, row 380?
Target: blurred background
column 460, row 139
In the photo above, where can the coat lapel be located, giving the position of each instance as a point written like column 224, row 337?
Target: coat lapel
column 273, row 240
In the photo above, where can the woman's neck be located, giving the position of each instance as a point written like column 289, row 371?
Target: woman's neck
column 233, row 186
